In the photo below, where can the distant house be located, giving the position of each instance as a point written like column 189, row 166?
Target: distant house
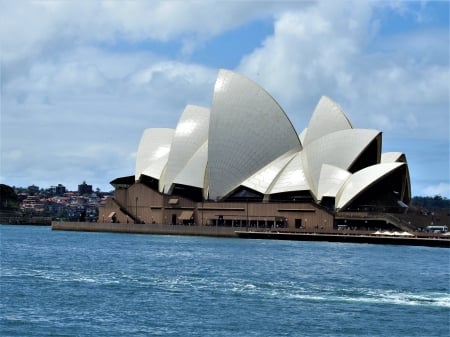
column 84, row 189
column 60, row 189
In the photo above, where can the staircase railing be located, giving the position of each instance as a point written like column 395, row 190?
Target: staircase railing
column 388, row 217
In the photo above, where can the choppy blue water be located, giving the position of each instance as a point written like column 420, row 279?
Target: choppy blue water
column 56, row 283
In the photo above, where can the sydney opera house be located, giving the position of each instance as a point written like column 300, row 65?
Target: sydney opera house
column 241, row 163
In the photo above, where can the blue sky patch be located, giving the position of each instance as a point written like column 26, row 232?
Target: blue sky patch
column 413, row 15
column 227, row 49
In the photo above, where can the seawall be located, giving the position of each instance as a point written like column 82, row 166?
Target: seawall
column 20, row 220
column 145, row 228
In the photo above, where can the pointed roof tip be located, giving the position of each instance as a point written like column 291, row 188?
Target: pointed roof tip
column 325, row 97
column 328, row 117
column 189, row 105
column 224, row 71
column 391, row 157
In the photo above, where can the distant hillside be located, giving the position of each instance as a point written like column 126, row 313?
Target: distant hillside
column 436, row 202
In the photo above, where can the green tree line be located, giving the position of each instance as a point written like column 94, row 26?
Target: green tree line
column 436, row 202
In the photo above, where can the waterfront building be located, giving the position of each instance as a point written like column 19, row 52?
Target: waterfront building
column 241, row 163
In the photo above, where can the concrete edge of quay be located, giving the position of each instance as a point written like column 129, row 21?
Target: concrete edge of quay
column 231, row 232
column 132, row 228
column 347, row 238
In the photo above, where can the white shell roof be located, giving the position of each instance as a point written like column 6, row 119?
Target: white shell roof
column 340, row 149
column 331, row 180
column 291, row 178
column 153, row 152
column 248, row 130
column 262, row 179
column 361, row 180
column 191, row 133
column 327, row 118
column 246, row 139
column 193, row 173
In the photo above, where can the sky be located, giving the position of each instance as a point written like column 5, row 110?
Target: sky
column 81, row 80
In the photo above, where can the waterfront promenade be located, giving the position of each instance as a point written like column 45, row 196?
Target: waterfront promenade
column 252, row 233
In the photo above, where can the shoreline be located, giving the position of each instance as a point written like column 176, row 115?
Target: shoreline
column 233, row 232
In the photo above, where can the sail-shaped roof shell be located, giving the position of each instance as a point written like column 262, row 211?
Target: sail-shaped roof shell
column 291, row 178
column 262, row 180
column 340, row 149
column 331, row 180
column 193, row 172
column 247, row 131
column 153, row 152
column 361, row 180
column 190, row 134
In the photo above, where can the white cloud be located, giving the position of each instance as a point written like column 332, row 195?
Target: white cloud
column 442, row 189
column 80, row 115
column 57, row 25
column 310, row 54
column 333, row 49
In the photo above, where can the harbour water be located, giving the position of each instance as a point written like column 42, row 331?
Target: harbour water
column 57, row 283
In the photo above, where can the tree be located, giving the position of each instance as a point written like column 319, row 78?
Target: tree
column 436, row 202
column 8, row 198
